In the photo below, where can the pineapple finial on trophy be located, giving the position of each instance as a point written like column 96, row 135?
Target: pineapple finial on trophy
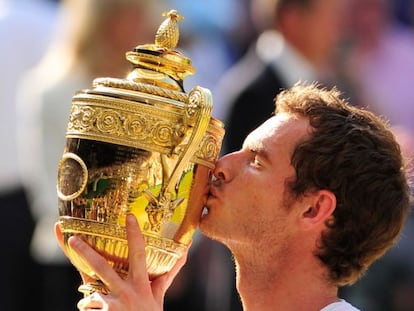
column 160, row 63
column 168, row 33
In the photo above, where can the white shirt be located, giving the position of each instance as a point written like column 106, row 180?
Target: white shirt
column 340, row 305
column 274, row 49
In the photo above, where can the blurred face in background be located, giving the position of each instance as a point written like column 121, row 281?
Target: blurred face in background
column 366, row 20
column 322, row 27
column 313, row 27
column 99, row 32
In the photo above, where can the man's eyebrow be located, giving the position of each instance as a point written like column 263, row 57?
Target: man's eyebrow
column 253, row 142
column 252, row 145
column 263, row 154
column 258, row 148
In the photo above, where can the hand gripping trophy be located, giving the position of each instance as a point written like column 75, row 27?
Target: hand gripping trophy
column 139, row 145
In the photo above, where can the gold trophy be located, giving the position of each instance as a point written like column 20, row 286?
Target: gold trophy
column 139, row 145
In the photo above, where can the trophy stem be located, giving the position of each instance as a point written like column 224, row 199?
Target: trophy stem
column 92, row 287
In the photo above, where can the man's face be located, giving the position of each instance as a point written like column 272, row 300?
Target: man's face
column 247, row 203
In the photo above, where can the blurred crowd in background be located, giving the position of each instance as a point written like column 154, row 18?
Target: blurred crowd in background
column 245, row 52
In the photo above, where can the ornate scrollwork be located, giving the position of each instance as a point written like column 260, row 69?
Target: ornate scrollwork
column 116, row 121
column 209, row 148
column 104, row 119
column 109, row 232
column 109, row 121
column 194, row 101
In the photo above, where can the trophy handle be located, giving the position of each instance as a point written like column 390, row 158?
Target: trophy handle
column 198, row 113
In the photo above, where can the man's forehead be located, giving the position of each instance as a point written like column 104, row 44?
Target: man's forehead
column 271, row 125
column 280, row 125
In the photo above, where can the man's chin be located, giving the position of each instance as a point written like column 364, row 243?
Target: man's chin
column 208, row 229
column 204, row 222
column 207, row 223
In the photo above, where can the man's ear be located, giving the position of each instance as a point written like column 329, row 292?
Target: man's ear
column 321, row 206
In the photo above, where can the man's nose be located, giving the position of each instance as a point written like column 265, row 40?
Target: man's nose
column 223, row 169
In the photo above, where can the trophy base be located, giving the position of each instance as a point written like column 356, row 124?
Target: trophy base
column 109, row 240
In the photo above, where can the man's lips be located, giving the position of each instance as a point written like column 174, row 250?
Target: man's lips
column 210, row 195
column 212, row 191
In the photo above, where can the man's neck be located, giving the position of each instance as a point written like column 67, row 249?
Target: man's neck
column 292, row 285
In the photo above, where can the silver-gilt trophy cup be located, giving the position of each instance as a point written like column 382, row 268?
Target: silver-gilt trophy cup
column 139, row 145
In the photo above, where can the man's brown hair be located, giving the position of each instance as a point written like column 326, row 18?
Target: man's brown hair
column 354, row 154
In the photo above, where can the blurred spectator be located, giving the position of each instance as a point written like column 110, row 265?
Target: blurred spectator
column 298, row 43
column 25, row 30
column 90, row 41
column 378, row 67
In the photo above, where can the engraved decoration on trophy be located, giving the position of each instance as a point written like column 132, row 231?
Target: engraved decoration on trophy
column 139, row 145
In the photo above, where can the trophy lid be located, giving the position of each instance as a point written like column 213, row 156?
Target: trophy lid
column 161, row 57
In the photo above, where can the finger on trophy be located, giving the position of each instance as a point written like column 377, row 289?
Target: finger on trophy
column 102, row 270
column 137, row 261
column 136, row 254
